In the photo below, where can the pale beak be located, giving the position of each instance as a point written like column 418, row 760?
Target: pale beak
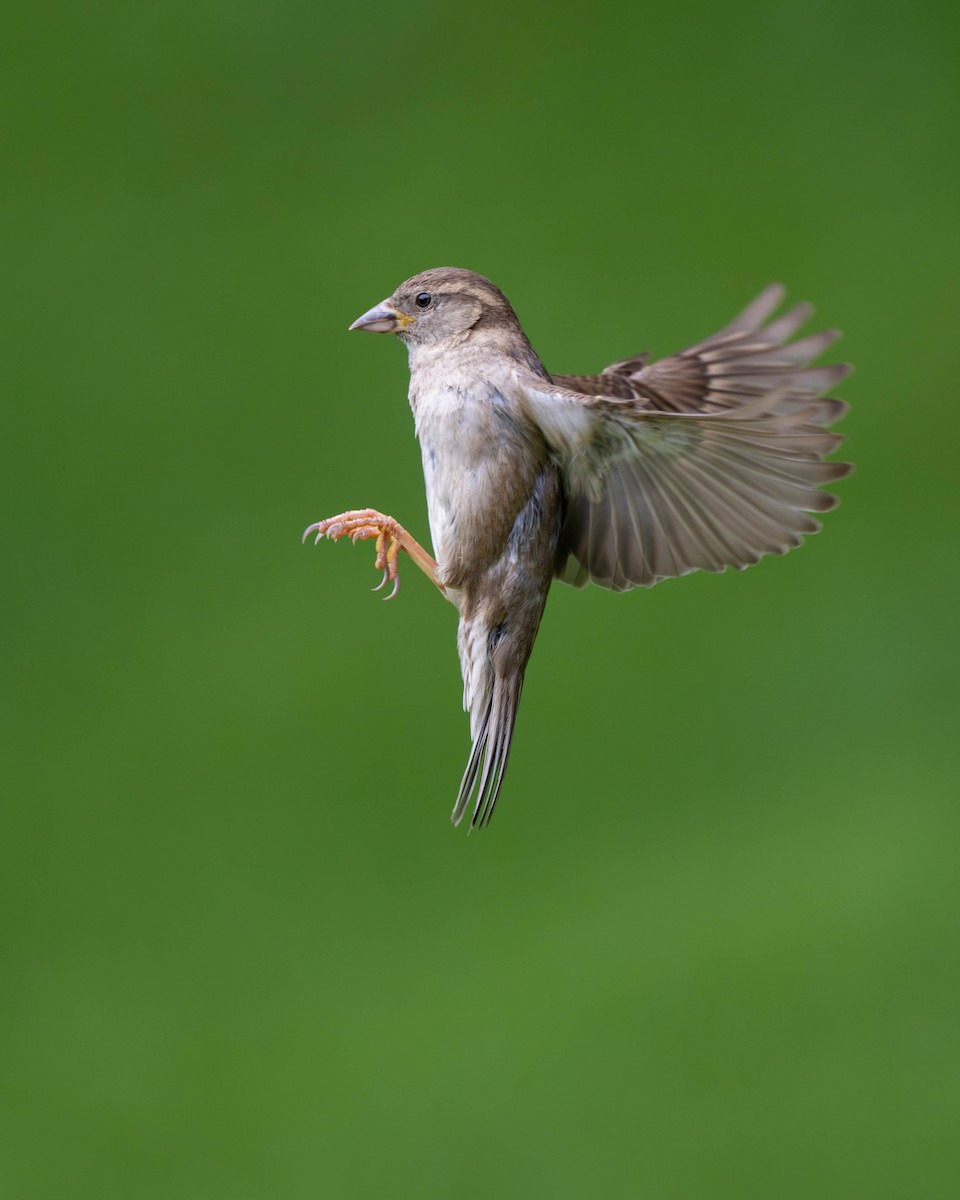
column 382, row 319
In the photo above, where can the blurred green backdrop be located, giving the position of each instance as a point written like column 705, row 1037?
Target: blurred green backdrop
column 709, row 947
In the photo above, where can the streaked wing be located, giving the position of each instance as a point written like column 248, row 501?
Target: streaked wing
column 743, row 360
column 716, row 458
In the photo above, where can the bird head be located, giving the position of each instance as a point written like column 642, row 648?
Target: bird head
column 443, row 305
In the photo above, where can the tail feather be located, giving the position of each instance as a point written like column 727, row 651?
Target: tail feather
column 483, row 777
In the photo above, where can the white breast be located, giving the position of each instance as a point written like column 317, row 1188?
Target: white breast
column 448, row 428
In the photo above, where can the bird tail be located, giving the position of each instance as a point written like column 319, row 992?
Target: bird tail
column 483, row 777
column 492, row 658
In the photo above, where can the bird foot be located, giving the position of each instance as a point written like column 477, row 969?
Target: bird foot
column 362, row 523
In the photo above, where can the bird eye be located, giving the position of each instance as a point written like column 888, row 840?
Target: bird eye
column 423, row 300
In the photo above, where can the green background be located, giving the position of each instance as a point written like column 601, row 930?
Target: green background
column 709, row 947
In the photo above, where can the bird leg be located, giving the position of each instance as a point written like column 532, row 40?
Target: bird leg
column 362, row 523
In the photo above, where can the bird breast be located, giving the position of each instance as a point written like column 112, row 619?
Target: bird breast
column 479, row 467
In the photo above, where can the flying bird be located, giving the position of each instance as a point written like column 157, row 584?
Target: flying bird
column 707, row 459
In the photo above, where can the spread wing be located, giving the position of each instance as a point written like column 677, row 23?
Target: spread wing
column 707, row 459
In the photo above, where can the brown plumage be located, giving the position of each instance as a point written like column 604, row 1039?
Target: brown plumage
column 710, row 458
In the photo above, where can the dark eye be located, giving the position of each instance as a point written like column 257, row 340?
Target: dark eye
column 423, row 300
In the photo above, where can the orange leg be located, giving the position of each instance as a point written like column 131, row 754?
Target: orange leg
column 362, row 523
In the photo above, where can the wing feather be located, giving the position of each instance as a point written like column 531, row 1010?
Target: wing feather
column 705, row 460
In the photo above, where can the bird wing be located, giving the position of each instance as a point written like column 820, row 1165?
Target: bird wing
column 707, row 459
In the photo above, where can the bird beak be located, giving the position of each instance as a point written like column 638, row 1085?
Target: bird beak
column 382, row 319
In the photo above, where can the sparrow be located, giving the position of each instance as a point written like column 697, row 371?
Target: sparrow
column 708, row 459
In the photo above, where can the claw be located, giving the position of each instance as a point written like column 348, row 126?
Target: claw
column 363, row 523
column 388, row 551
column 358, row 525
